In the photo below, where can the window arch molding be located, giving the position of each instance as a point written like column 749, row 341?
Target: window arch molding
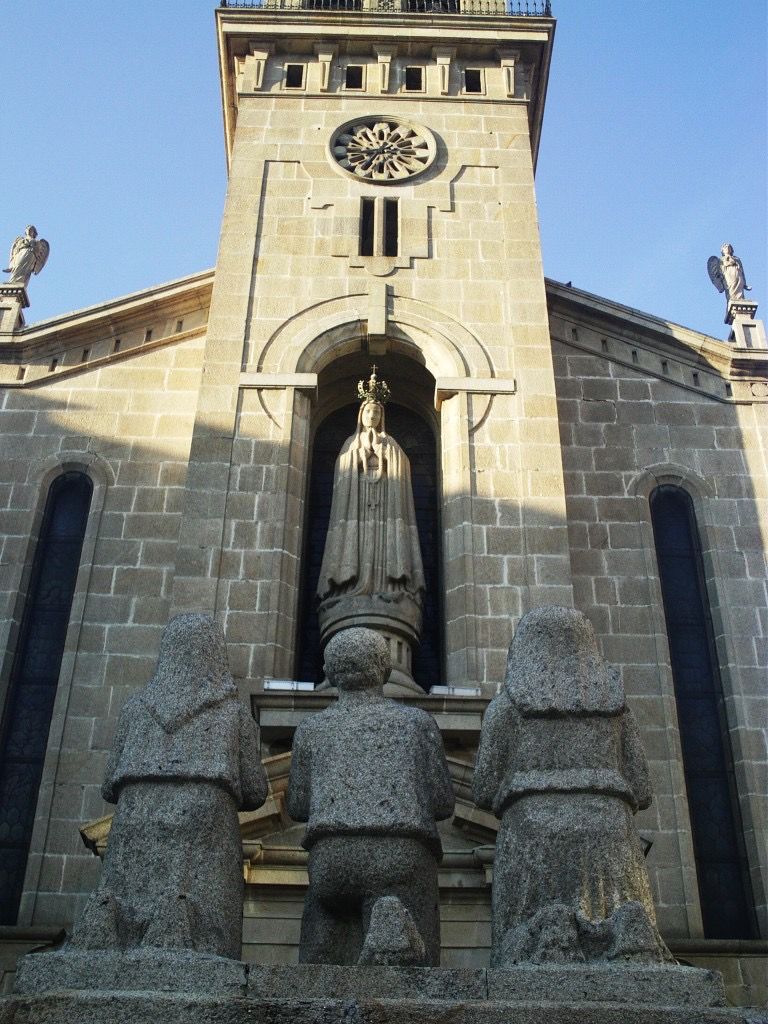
column 679, row 476
column 42, row 475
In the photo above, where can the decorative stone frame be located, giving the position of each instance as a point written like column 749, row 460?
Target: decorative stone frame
column 702, row 494
column 299, row 350
column 43, row 473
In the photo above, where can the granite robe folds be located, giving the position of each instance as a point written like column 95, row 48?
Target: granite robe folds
column 370, row 778
column 185, row 759
column 561, row 764
column 372, row 545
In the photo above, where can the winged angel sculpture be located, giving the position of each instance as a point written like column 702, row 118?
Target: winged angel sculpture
column 727, row 274
column 28, row 256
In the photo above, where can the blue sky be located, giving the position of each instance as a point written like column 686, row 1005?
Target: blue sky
column 653, row 152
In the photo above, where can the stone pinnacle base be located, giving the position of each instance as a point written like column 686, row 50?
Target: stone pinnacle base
column 319, row 994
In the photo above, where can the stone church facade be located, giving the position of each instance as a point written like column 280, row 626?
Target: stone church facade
column 169, row 452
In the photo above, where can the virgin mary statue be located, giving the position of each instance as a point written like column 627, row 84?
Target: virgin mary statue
column 372, row 573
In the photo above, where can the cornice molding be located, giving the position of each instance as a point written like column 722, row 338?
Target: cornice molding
column 633, row 328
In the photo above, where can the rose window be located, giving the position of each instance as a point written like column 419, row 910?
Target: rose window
column 382, row 151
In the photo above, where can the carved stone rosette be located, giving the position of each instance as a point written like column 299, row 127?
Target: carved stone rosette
column 382, row 150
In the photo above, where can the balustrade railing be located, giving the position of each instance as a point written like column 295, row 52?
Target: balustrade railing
column 511, row 8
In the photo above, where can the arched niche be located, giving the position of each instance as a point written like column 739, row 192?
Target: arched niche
column 413, row 423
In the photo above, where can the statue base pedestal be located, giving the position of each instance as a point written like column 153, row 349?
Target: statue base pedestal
column 746, row 330
column 604, row 993
column 396, row 617
column 13, row 299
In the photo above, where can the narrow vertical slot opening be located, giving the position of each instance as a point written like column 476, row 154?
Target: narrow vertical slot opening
column 366, row 227
column 391, row 227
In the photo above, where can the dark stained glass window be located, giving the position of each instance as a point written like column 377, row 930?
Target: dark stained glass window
column 415, row 437
column 35, row 675
column 727, row 906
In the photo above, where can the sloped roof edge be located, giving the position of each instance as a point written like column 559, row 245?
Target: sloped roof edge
column 645, row 322
column 146, row 296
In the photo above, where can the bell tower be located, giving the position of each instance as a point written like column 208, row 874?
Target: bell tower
column 380, row 208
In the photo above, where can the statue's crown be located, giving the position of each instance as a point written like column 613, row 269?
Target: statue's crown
column 374, row 391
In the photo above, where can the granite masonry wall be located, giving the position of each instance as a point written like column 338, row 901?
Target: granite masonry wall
column 126, row 422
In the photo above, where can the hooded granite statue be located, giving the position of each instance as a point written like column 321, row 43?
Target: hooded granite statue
column 561, row 764
column 185, row 759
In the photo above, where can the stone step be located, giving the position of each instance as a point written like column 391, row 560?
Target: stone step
column 180, row 987
column 167, row 1008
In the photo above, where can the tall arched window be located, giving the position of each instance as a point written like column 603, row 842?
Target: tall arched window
column 415, row 437
column 727, row 906
column 35, row 675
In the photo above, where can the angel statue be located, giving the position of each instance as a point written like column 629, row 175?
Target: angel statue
column 727, row 274
column 28, row 256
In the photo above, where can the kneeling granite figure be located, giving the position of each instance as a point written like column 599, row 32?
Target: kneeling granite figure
column 561, row 764
column 185, row 758
column 167, row 912
column 370, row 778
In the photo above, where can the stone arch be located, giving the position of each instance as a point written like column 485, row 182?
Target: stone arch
column 322, row 333
column 42, row 473
column 670, row 473
column 702, row 493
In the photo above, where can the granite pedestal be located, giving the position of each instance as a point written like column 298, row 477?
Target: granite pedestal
column 321, row 994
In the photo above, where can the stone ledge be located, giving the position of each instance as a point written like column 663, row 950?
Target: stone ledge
column 639, row 984
column 328, row 981
column 147, row 1008
column 149, row 969
column 660, row 985
column 301, row 381
column 45, row 935
column 183, row 972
